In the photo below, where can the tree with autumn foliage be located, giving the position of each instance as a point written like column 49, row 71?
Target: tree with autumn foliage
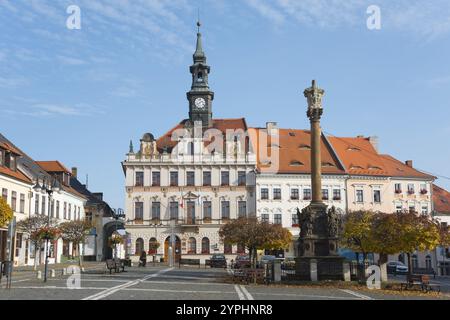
column 254, row 235
column 6, row 213
column 31, row 226
column 75, row 232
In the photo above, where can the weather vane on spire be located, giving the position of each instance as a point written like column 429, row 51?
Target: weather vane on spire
column 199, row 24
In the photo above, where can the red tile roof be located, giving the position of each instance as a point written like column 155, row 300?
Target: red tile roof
column 9, row 147
column 52, row 166
column 294, row 151
column 219, row 124
column 15, row 174
column 360, row 158
column 441, row 200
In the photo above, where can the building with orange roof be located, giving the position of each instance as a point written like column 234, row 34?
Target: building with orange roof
column 21, row 180
column 441, row 212
column 197, row 176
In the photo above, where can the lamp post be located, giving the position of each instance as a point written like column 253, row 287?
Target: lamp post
column 48, row 187
column 117, row 214
column 156, row 225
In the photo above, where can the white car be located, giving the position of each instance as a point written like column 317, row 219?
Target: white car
column 397, row 267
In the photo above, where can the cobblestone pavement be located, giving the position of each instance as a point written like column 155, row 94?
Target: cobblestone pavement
column 164, row 283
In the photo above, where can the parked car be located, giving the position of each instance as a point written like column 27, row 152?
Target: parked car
column 396, row 267
column 218, row 261
column 242, row 261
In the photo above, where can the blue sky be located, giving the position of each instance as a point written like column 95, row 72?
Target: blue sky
column 79, row 96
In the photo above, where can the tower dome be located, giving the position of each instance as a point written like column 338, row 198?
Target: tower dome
column 148, row 137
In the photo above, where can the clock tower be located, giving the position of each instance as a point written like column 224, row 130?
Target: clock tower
column 200, row 97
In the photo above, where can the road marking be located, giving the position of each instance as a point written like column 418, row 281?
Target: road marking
column 110, row 291
column 240, row 294
column 247, row 294
column 313, row 296
column 356, row 294
column 61, row 288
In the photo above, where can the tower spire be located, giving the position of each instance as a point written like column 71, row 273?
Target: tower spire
column 199, row 55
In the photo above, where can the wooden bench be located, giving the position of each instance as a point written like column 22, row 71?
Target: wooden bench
column 421, row 281
column 115, row 264
column 248, row 276
column 189, row 262
column 424, row 271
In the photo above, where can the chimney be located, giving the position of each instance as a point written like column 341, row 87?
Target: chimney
column 409, row 163
column 74, row 172
column 374, row 141
column 98, row 195
column 272, row 128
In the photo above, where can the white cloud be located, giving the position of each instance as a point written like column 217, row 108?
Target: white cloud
column 266, row 10
column 71, row 61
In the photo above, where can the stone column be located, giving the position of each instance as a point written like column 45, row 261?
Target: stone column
column 314, row 96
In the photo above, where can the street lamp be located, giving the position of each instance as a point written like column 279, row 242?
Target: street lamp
column 156, row 225
column 49, row 187
column 117, row 215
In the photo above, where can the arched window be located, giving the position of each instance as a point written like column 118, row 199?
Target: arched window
column 240, row 248
column 192, row 246
column 227, row 248
column 139, row 246
column 205, row 246
column 428, row 262
column 153, row 246
column 415, row 261
column 200, row 77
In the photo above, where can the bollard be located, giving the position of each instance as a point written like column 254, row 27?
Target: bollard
column 53, row 273
column 39, row 275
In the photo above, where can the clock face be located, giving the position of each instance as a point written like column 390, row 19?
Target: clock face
column 200, row 103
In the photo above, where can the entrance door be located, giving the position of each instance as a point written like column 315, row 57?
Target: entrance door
column 177, row 249
column 191, row 213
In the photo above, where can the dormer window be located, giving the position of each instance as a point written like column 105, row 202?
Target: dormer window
column 353, row 149
column 374, row 168
column 354, row 167
column 304, row 147
column 296, row 163
column 327, row 164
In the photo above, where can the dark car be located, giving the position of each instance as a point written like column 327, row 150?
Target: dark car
column 242, row 261
column 218, row 261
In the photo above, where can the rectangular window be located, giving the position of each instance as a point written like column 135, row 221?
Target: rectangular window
column 52, row 209
column 22, row 203
column 265, row 217
column 295, row 220
column 242, row 209
column 14, row 201
column 57, row 209
column 264, row 194
column 423, row 188
column 36, row 203
column 225, row 178
column 139, row 211
column 295, row 194
column 325, row 194
column 336, row 194
column 410, row 188
column 43, row 211
column 398, row 188
column 79, row 213
column 156, row 179
column 156, row 210
column 5, row 194
column 359, row 196
column 207, row 210
column 65, row 210
column 139, row 179
column 277, row 218
column 70, row 212
column 19, row 239
column 412, row 208
column 276, row 194
column 225, row 209
column 174, row 210
column 306, row 194
column 425, row 210
column 377, row 196
column 174, row 179
column 399, row 208
column 242, row 178
column 190, row 178
column 207, row 178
